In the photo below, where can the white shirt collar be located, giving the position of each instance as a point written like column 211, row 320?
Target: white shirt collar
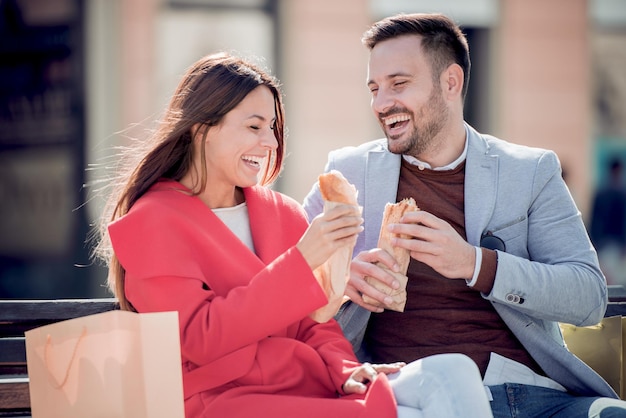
column 454, row 164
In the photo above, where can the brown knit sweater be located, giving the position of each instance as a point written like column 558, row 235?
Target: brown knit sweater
column 443, row 315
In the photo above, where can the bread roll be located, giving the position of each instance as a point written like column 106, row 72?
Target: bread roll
column 335, row 188
column 392, row 214
column 333, row 275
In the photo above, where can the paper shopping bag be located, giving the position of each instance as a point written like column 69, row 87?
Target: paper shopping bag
column 601, row 347
column 113, row 364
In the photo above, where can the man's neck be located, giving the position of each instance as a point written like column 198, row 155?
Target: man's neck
column 448, row 152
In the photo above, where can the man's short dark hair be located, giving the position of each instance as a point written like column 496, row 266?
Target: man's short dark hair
column 442, row 39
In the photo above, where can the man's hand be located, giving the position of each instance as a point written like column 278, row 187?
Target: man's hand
column 362, row 375
column 365, row 264
column 433, row 241
column 436, row 243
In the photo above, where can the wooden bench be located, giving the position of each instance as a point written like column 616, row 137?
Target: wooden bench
column 18, row 316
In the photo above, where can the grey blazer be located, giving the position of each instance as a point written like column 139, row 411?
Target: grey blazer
column 549, row 272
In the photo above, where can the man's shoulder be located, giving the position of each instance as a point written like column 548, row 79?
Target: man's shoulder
column 516, row 150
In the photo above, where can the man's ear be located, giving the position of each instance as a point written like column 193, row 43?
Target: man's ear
column 453, row 81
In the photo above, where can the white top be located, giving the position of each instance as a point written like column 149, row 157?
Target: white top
column 236, row 218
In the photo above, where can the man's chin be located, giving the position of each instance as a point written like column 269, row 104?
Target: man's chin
column 396, row 145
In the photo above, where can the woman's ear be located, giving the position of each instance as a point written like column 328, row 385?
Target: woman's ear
column 198, row 128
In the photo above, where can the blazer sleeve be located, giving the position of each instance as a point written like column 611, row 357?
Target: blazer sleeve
column 549, row 263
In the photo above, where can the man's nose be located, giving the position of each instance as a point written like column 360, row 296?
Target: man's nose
column 382, row 102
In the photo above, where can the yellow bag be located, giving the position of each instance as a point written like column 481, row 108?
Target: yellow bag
column 602, row 347
column 112, row 364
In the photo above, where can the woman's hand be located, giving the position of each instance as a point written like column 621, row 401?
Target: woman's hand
column 328, row 232
column 362, row 375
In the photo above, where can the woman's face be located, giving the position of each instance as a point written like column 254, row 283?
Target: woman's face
column 237, row 148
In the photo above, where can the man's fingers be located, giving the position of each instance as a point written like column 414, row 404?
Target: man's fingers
column 383, row 298
column 375, row 271
column 357, row 297
column 376, row 256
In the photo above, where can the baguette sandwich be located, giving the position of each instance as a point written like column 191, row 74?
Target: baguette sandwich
column 333, row 275
column 392, row 214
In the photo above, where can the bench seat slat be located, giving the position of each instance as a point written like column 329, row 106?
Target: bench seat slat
column 14, row 394
column 616, row 309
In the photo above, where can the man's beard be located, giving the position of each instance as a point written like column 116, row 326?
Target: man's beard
column 431, row 117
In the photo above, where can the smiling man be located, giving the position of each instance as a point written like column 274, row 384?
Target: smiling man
column 499, row 252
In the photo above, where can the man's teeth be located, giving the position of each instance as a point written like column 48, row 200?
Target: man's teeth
column 395, row 119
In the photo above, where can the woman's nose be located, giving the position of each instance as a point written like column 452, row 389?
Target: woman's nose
column 269, row 141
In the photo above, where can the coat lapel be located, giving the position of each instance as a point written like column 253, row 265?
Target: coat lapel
column 481, row 182
column 379, row 189
column 273, row 225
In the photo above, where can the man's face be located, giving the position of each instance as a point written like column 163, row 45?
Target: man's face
column 407, row 102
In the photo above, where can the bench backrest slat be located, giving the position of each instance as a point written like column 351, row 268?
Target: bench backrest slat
column 18, row 316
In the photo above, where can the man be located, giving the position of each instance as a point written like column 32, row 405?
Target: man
column 499, row 252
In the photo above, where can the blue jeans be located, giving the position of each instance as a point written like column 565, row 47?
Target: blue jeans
column 524, row 401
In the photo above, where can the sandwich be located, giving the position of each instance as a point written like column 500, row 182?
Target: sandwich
column 333, row 275
column 392, row 214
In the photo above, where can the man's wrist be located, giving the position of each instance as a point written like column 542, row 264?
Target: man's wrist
column 477, row 264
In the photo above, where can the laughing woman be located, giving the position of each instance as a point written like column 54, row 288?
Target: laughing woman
column 194, row 228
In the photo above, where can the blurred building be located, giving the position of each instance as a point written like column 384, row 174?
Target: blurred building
column 82, row 77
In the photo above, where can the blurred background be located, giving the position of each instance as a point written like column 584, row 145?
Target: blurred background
column 79, row 78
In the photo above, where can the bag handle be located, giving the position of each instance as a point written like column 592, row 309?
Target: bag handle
column 51, row 378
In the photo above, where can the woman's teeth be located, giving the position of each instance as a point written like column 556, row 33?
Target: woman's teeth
column 253, row 160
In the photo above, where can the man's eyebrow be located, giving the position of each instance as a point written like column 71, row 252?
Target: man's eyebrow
column 391, row 77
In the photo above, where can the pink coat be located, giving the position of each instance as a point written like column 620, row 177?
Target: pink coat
column 248, row 347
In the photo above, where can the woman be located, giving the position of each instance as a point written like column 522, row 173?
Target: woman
column 194, row 229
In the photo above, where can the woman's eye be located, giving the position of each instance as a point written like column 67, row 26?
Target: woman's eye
column 256, row 128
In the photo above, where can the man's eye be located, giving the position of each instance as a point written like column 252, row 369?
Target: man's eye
column 399, row 83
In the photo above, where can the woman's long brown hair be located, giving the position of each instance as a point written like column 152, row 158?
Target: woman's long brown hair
column 211, row 88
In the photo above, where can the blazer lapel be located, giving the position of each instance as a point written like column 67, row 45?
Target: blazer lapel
column 481, row 182
column 381, row 187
